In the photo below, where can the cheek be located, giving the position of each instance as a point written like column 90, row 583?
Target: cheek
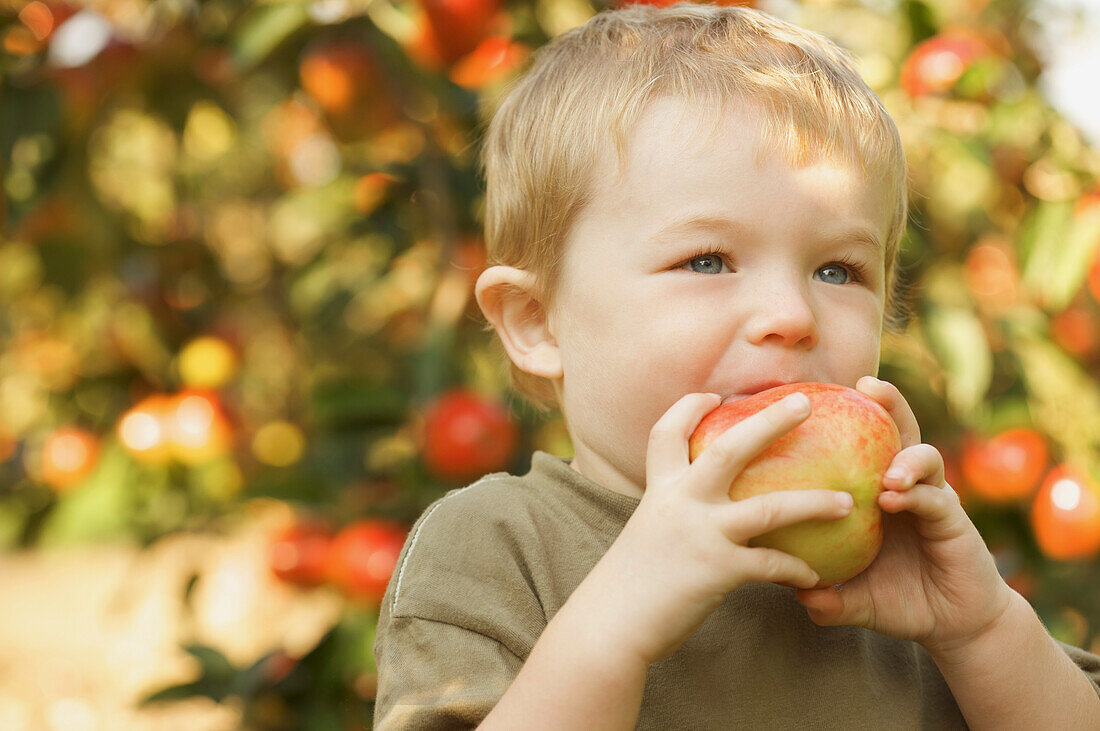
column 852, row 344
column 637, row 366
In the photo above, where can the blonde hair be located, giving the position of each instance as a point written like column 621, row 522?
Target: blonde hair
column 588, row 86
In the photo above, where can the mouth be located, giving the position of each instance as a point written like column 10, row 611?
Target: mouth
column 755, row 388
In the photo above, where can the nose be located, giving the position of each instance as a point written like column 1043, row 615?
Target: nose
column 782, row 314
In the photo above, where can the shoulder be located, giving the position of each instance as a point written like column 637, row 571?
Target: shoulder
column 485, row 510
column 468, row 538
column 493, row 498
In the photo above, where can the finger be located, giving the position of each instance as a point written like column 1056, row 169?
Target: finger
column 725, row 457
column 941, row 514
column 832, row 607
column 769, row 564
column 756, row 515
column 919, row 463
column 889, row 397
column 667, row 451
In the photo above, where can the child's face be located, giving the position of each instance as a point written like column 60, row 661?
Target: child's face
column 654, row 306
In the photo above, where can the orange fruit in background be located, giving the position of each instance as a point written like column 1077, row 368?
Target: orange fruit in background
column 1077, row 330
column 1087, row 204
column 1065, row 516
column 1094, row 278
column 1005, row 467
column 344, row 77
column 68, row 456
column 991, row 273
column 199, row 426
column 455, row 27
column 952, row 472
column 7, row 445
column 335, row 74
column 494, row 59
column 144, row 429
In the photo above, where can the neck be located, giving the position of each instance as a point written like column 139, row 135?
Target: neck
column 604, row 474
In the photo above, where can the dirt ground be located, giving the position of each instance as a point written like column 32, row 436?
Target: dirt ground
column 86, row 631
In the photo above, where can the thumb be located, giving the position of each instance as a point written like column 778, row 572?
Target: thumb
column 834, row 606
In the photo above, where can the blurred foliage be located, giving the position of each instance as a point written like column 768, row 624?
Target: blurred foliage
column 239, row 240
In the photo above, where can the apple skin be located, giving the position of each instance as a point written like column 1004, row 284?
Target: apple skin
column 846, row 444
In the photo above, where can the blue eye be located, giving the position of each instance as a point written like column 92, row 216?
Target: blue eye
column 850, row 272
column 705, row 264
column 854, row 271
column 842, row 272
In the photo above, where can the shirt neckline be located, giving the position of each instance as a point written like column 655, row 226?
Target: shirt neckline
column 611, row 508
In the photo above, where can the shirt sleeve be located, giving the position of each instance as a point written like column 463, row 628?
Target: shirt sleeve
column 459, row 615
column 434, row 675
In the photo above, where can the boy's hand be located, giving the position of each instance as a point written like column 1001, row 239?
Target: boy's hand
column 934, row 581
column 684, row 548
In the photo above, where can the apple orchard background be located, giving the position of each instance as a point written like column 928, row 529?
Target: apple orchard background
column 239, row 353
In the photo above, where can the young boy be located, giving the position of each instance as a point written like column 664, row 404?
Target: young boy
column 664, row 188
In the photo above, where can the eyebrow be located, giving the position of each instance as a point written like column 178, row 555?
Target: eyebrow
column 860, row 237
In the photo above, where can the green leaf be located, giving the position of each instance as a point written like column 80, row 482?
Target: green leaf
column 1059, row 248
column 12, row 517
column 962, row 185
column 981, row 78
column 357, row 402
column 1008, row 412
column 251, row 680
column 265, row 27
column 176, row 693
column 214, row 663
column 956, row 337
column 217, row 679
column 98, row 509
column 1064, row 399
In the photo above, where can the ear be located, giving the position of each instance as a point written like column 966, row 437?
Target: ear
column 507, row 297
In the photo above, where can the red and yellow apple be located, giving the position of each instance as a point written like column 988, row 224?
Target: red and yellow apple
column 846, row 444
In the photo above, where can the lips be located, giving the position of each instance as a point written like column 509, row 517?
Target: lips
column 762, row 386
column 756, row 387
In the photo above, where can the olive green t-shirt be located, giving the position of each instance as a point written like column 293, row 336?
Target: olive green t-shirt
column 487, row 566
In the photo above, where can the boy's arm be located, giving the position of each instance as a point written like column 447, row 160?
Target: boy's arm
column 579, row 674
column 1015, row 676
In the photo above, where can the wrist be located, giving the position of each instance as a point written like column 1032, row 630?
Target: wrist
column 573, row 678
column 1014, row 616
column 603, row 619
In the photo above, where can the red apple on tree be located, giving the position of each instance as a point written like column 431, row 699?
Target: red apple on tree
column 362, row 557
column 297, row 553
column 1065, row 515
column 936, row 63
column 457, row 26
column 1004, row 467
column 466, row 435
column 846, row 444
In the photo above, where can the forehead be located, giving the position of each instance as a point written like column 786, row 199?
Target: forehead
column 718, row 157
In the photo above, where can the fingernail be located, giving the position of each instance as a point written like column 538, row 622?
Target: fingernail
column 895, row 473
column 798, row 403
column 845, row 500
